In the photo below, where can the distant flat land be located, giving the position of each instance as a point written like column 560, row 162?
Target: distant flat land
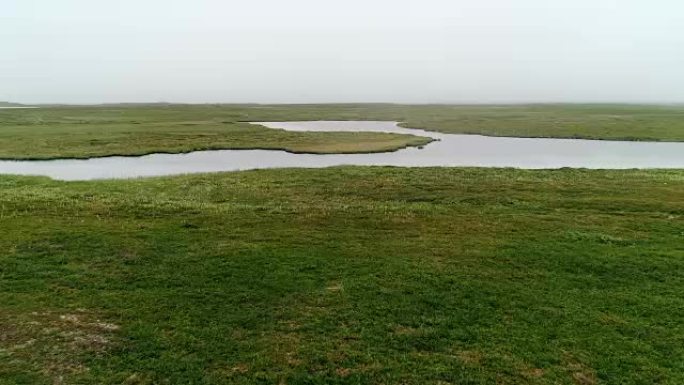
column 345, row 276
column 13, row 105
column 8, row 104
column 81, row 132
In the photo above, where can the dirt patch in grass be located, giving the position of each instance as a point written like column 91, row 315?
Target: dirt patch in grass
column 581, row 374
column 55, row 344
column 470, row 357
column 335, row 286
column 534, row 373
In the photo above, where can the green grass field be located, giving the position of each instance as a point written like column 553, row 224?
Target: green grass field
column 81, row 132
column 345, row 276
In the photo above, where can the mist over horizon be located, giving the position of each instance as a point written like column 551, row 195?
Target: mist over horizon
column 303, row 52
column 456, row 104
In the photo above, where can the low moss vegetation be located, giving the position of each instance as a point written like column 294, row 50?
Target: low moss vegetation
column 345, row 276
column 80, row 132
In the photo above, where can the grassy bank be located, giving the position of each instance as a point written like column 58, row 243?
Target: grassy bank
column 59, row 132
column 345, row 276
column 90, row 139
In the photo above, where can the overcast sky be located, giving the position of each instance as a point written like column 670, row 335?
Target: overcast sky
column 445, row 51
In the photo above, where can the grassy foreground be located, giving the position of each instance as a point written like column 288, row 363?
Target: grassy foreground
column 345, row 276
column 80, row 132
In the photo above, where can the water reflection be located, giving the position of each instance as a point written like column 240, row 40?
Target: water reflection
column 449, row 151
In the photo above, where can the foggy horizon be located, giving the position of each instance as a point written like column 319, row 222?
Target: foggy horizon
column 307, row 52
column 333, row 103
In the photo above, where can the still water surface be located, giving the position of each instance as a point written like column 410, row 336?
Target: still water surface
column 447, row 150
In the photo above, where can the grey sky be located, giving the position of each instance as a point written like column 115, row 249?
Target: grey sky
column 92, row 51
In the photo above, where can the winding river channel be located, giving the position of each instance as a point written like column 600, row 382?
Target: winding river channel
column 448, row 150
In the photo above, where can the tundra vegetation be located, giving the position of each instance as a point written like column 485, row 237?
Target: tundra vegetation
column 82, row 132
column 345, row 275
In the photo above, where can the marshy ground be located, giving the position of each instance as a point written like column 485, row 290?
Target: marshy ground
column 345, row 275
column 83, row 132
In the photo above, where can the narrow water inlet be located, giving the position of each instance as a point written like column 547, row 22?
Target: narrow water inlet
column 449, row 150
